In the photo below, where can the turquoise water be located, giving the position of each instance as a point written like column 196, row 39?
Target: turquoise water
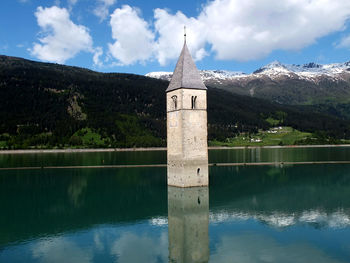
column 297, row 213
column 243, row 155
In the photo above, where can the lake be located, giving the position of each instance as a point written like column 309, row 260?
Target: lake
column 268, row 213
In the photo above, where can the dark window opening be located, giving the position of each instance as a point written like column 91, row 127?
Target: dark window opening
column 193, row 102
column 198, row 170
column 174, row 102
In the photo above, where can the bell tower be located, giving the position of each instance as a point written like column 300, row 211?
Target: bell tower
column 187, row 147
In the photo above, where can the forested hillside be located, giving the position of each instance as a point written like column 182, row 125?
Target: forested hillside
column 50, row 105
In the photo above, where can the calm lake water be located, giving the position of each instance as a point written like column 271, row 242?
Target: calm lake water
column 296, row 213
column 243, row 155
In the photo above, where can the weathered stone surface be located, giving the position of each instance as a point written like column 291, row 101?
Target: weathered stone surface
column 188, row 173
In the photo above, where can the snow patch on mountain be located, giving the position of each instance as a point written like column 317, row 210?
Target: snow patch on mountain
column 220, row 74
column 160, row 75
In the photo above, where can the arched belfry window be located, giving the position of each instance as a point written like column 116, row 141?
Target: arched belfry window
column 174, row 98
column 193, row 102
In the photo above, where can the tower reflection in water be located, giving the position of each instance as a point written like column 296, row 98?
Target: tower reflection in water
column 188, row 220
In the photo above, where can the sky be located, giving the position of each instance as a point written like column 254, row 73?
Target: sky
column 141, row 36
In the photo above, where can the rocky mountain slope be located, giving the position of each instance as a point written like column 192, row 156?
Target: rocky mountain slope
column 286, row 84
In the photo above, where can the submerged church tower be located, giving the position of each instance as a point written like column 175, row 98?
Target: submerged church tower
column 187, row 147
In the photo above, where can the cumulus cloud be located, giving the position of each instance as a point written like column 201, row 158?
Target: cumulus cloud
column 170, row 30
column 237, row 30
column 134, row 41
column 102, row 8
column 61, row 38
column 252, row 29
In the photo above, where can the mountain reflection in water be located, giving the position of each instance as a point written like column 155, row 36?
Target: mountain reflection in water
column 251, row 214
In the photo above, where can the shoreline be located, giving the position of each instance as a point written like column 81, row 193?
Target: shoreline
column 165, row 165
column 37, row 151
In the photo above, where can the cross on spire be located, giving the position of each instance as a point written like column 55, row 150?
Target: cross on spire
column 185, row 33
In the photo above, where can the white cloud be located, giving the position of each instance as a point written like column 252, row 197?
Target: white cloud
column 235, row 29
column 96, row 58
column 170, row 30
column 252, row 29
column 134, row 40
column 62, row 39
column 247, row 30
column 102, row 8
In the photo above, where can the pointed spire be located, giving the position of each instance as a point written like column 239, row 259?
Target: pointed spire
column 186, row 74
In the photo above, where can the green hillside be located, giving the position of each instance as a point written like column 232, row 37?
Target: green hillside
column 45, row 105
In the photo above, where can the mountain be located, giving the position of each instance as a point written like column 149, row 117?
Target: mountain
column 285, row 84
column 206, row 75
column 51, row 105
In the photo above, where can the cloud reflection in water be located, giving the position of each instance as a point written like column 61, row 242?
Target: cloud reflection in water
column 249, row 248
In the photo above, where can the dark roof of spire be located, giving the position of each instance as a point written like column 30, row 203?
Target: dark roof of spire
column 186, row 74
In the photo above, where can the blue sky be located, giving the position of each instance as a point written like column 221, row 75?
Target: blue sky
column 142, row 36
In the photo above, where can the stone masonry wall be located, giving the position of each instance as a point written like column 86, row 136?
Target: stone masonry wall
column 187, row 139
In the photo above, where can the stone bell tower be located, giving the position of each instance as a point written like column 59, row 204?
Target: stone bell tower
column 187, row 147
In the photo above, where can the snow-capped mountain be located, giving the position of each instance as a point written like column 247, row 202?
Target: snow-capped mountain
column 206, row 74
column 273, row 70
column 310, row 71
column 282, row 83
